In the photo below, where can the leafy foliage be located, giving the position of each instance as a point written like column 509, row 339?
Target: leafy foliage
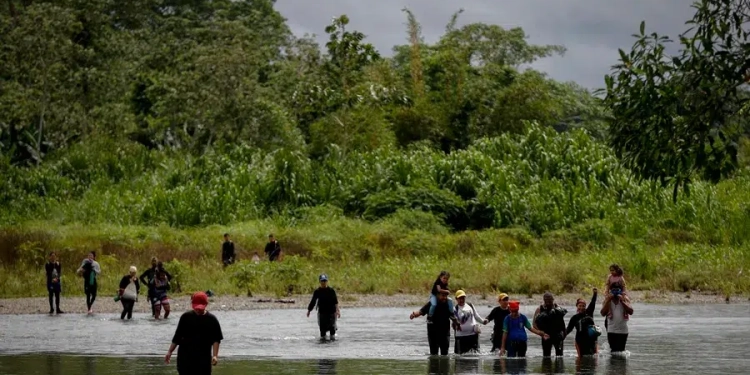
column 675, row 116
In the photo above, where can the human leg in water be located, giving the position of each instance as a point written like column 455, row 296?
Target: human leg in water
column 127, row 308
column 157, row 309
column 517, row 349
column 547, row 346
column 165, row 306
column 90, row 296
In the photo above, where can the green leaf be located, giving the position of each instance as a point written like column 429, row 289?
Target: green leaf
column 643, row 28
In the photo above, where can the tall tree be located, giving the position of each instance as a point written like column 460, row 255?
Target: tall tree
column 674, row 115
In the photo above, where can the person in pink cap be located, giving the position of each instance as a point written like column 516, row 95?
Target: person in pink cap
column 198, row 334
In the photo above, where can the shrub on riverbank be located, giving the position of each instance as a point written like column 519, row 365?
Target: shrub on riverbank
column 384, row 257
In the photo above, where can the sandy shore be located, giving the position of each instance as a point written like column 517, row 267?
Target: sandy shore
column 105, row 304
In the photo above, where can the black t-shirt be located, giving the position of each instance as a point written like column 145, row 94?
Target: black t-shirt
column 498, row 315
column 195, row 336
column 441, row 319
column 227, row 250
column 326, row 300
column 437, row 283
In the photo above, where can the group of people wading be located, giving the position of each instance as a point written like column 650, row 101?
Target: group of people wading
column 155, row 278
column 509, row 335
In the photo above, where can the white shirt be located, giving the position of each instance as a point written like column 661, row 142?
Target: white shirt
column 468, row 318
column 617, row 323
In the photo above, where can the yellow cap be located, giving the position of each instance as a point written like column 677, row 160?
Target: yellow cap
column 502, row 296
column 460, row 294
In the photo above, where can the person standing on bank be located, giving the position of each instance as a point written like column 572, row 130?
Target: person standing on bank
column 467, row 337
column 129, row 289
column 328, row 308
column 54, row 287
column 617, row 310
column 439, row 328
column 90, row 270
column 550, row 319
column 198, row 335
column 273, row 248
column 498, row 314
column 228, row 256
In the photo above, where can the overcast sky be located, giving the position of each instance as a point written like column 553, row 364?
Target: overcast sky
column 591, row 30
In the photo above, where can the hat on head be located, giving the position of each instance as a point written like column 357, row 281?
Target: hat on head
column 514, row 305
column 199, row 300
column 460, row 294
column 503, row 296
column 323, row 277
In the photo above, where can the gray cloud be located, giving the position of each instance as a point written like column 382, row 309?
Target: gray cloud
column 592, row 30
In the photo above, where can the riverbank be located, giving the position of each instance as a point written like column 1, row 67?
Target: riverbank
column 105, row 304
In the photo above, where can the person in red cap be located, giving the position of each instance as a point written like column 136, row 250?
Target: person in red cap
column 514, row 332
column 198, row 334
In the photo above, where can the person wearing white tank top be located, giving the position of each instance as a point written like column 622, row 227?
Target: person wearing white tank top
column 616, row 309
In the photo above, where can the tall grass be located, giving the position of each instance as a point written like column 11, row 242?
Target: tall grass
column 527, row 212
column 396, row 255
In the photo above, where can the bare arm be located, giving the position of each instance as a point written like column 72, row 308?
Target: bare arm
column 628, row 309
column 502, row 346
column 168, row 357
column 605, row 305
column 215, row 358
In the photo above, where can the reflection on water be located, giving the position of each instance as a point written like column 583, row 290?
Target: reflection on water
column 663, row 340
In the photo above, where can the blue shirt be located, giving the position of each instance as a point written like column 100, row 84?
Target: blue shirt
column 516, row 327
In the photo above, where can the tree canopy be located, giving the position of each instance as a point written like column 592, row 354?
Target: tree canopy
column 195, row 74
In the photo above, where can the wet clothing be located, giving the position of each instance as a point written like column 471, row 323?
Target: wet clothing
column 439, row 330
column 160, row 289
column 195, row 335
column 228, row 256
column 497, row 315
column 552, row 322
column 617, row 327
column 129, row 294
column 327, row 323
column 466, row 344
column 617, row 341
column 326, row 300
column 91, row 271
column 273, row 250
column 147, row 278
column 516, row 349
column 581, row 323
column 516, row 342
column 53, row 271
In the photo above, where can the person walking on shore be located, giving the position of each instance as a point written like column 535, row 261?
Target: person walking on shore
column 617, row 310
column 90, row 271
column 586, row 330
column 198, row 336
column 498, row 315
column 273, row 248
column 550, row 319
column 439, row 328
column 328, row 308
column 228, row 255
column 128, row 294
column 147, row 278
column 54, row 287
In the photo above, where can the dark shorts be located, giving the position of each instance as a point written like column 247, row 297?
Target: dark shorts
column 465, row 344
column 516, row 349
